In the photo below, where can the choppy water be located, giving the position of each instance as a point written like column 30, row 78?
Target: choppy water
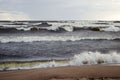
column 72, row 42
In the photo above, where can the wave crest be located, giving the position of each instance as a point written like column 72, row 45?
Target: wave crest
column 4, row 39
column 95, row 58
column 66, row 26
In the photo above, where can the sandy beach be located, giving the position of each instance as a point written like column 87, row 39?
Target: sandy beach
column 64, row 73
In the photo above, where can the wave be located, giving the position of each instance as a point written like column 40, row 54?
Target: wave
column 85, row 58
column 95, row 58
column 67, row 28
column 60, row 27
column 6, row 39
column 111, row 28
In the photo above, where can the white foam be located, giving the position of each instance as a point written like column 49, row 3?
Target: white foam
column 111, row 28
column 24, row 28
column 6, row 39
column 86, row 58
column 68, row 28
column 95, row 58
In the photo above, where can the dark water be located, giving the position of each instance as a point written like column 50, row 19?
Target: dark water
column 54, row 49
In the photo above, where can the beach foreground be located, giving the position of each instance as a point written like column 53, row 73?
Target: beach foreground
column 97, row 72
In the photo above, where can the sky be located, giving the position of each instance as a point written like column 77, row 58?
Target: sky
column 59, row 9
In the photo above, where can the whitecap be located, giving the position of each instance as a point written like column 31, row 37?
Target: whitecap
column 111, row 28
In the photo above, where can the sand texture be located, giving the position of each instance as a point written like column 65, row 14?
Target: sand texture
column 65, row 73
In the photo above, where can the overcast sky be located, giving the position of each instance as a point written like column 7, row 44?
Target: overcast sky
column 59, row 9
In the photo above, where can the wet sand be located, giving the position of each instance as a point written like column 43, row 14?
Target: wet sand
column 98, row 72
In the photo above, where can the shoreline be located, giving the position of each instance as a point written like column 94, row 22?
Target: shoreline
column 68, row 72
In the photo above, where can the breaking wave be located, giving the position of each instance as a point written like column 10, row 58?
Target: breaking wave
column 6, row 39
column 95, row 58
column 67, row 28
column 85, row 58
column 63, row 26
column 111, row 28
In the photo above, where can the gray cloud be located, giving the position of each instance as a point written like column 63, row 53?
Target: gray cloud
column 13, row 16
column 64, row 9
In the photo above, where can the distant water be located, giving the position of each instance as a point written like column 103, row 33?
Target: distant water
column 72, row 42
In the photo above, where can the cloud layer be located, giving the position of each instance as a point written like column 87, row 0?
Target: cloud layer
column 13, row 16
column 62, row 9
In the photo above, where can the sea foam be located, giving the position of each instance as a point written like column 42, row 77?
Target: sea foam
column 68, row 26
column 111, row 28
column 95, row 58
column 4, row 39
column 85, row 58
